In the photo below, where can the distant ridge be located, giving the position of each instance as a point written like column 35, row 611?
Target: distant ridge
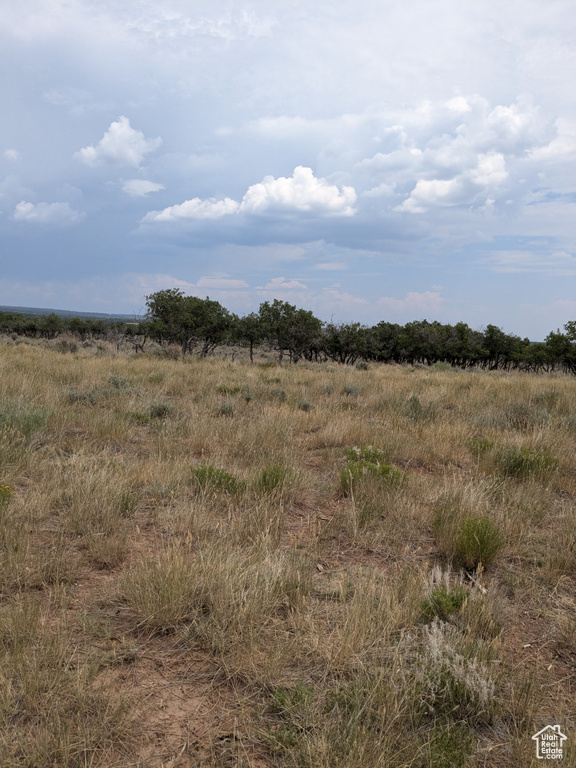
column 39, row 311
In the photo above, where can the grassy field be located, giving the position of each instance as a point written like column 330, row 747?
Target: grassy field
column 207, row 563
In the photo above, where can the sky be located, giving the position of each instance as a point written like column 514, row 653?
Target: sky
column 388, row 160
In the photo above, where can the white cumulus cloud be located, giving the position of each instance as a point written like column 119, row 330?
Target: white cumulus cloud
column 302, row 193
column 195, row 209
column 120, row 144
column 47, row 213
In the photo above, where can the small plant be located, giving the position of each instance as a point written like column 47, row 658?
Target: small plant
column 223, row 389
column 226, row 409
column 6, row 493
column 214, row 478
column 352, row 475
column 118, row 383
column 272, row 478
column 526, row 462
column 442, row 603
column 26, row 419
column 469, row 541
column 479, row 446
column 161, row 410
column 365, row 453
column 416, row 411
column 279, row 394
column 352, row 390
column 88, row 397
column 305, row 405
column 441, row 365
column 362, row 365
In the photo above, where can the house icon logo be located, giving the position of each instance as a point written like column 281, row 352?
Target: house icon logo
column 549, row 743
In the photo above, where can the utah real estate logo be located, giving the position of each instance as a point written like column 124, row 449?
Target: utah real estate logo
column 549, row 743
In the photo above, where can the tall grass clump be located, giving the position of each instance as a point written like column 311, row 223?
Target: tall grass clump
column 366, row 463
column 210, row 478
column 468, row 541
column 525, row 462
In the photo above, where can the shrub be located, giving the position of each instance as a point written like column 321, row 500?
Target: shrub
column 415, row 411
column 226, row 409
column 480, row 445
column 352, row 390
column 89, row 397
column 305, row 405
column 469, row 541
column 214, row 478
column 525, row 462
column 442, row 603
column 25, row 419
column 355, row 472
column 161, row 410
column 272, row 478
column 118, row 383
column 362, row 366
column 365, row 453
column 279, row 394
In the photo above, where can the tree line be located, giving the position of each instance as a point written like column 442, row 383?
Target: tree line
column 199, row 326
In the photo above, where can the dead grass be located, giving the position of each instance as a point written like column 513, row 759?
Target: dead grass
column 196, row 509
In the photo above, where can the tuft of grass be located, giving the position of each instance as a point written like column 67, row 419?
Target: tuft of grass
column 28, row 420
column 468, row 541
column 213, row 478
column 273, row 478
column 161, row 410
column 443, row 602
column 525, row 462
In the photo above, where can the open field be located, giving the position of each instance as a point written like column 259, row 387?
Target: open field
column 208, row 563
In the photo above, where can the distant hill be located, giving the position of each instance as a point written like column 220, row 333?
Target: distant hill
column 39, row 311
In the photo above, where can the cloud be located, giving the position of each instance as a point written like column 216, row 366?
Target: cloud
column 300, row 193
column 331, row 265
column 414, row 302
column 465, row 188
column 120, row 144
column 11, row 154
column 195, row 209
column 47, row 213
column 514, row 261
column 140, row 187
column 281, row 284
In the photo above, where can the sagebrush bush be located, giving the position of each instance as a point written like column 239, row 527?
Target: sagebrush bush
column 161, row 410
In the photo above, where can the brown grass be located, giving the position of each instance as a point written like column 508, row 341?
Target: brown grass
column 180, row 525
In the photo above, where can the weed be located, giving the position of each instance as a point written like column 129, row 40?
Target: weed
column 442, row 603
column 273, row 478
column 469, row 541
column 226, row 409
column 213, row 478
column 161, row 410
column 479, row 446
column 525, row 462
column 118, row 383
column 415, row 411
column 87, row 397
column 28, row 420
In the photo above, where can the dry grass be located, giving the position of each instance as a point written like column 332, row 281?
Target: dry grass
column 212, row 514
